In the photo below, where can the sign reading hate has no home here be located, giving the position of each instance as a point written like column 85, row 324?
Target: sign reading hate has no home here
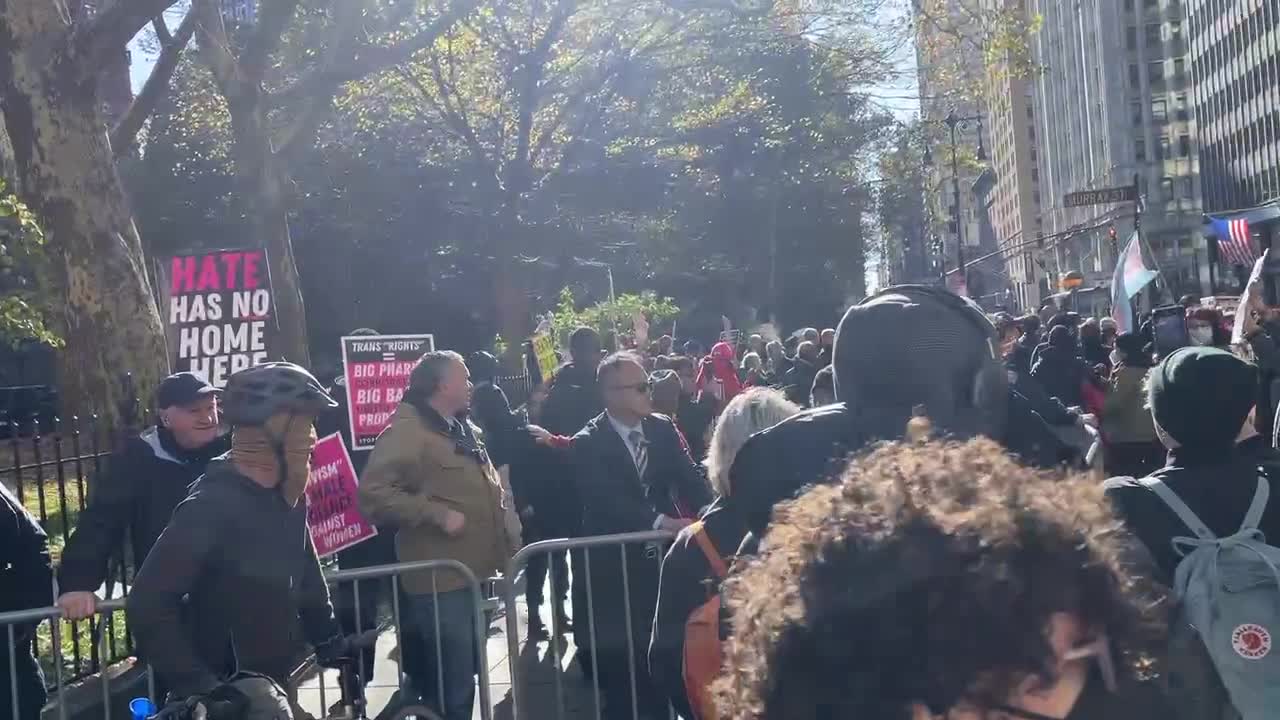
column 219, row 312
column 376, row 369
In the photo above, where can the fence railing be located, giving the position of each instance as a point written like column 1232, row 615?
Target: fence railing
column 317, row 705
column 602, row 546
column 50, row 467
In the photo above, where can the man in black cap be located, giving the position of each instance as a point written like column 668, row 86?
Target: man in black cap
column 1201, row 398
column 906, row 351
column 145, row 481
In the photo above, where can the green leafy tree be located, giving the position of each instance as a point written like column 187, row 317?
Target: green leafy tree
column 616, row 315
column 22, row 308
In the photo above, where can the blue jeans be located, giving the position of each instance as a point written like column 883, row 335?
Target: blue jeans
column 458, row 656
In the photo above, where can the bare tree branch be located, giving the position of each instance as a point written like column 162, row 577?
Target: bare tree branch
column 301, row 132
column 273, row 18
column 112, row 28
column 126, row 130
column 162, row 29
column 215, row 46
column 372, row 58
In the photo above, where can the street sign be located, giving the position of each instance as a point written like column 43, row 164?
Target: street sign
column 1103, row 196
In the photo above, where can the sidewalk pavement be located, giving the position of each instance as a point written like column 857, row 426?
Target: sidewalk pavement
column 537, row 662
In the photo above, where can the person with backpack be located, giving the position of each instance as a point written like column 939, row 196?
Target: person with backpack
column 689, row 579
column 1205, row 519
column 942, row 581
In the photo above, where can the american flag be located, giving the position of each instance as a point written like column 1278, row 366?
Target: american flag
column 1234, row 245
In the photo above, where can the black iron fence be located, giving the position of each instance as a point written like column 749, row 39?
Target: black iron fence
column 50, row 466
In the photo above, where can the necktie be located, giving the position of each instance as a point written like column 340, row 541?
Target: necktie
column 639, row 451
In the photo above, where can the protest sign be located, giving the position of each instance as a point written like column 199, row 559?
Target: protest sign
column 544, row 349
column 219, row 312
column 333, row 513
column 376, row 368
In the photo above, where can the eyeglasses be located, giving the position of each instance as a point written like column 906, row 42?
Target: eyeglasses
column 642, row 388
column 1100, row 651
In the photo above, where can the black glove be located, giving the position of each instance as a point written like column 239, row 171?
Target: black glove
column 334, row 652
column 225, row 702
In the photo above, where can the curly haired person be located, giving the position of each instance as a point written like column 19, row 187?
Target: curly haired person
column 941, row 581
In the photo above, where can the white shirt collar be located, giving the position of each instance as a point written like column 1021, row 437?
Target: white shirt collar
column 625, row 430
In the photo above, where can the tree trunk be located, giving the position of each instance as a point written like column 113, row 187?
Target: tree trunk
column 265, row 187
column 65, row 172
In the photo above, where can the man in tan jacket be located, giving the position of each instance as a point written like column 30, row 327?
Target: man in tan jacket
column 431, row 479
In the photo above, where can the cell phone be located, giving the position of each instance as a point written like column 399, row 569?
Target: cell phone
column 1169, row 325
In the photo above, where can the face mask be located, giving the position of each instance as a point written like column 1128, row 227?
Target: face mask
column 1201, row 336
column 253, row 448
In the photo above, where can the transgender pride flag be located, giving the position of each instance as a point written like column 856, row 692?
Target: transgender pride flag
column 1131, row 276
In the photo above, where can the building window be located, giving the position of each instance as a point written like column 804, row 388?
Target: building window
column 1159, row 110
column 1128, row 5
column 1151, row 4
column 1131, row 37
column 1134, row 80
column 1140, row 150
column 1155, row 72
column 1166, row 188
column 1180, row 107
column 1184, row 145
column 1162, row 152
column 1152, row 34
column 1136, row 111
column 1186, row 188
column 1179, row 67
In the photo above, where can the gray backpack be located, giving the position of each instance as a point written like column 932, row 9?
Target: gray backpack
column 1229, row 591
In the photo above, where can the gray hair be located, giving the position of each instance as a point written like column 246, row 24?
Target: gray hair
column 427, row 374
column 614, row 362
column 751, row 411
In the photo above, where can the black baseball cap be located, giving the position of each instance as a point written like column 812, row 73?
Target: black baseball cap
column 182, row 388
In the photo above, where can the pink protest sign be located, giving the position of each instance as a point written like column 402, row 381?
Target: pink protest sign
column 333, row 514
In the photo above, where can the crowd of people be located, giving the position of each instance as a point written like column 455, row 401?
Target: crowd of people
column 892, row 519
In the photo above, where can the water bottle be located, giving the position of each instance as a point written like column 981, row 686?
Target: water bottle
column 141, row 708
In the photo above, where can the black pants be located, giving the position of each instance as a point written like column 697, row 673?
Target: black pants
column 372, row 593
column 535, row 579
column 615, row 688
column 31, row 692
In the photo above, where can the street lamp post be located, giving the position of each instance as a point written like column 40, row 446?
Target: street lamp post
column 954, row 121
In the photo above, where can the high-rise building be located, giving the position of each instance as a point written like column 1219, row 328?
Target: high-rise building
column 1112, row 110
column 1015, row 196
column 950, row 73
column 1235, row 68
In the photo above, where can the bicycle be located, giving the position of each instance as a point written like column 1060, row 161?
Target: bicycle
column 352, row 704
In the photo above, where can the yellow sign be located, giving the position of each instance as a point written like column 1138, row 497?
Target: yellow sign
column 545, row 351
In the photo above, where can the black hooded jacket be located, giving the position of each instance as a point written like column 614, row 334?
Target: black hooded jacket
column 226, row 585
column 144, row 482
column 1061, row 372
column 573, row 399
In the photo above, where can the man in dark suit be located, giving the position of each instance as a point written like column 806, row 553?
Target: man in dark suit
column 633, row 473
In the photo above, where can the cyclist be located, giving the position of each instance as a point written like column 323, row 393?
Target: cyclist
column 238, row 548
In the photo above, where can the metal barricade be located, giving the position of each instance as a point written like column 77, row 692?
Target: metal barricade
column 10, row 622
column 519, row 562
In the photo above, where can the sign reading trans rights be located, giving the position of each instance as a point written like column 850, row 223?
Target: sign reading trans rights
column 219, row 312
column 376, row 370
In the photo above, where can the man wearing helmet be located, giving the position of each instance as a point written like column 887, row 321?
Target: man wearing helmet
column 238, row 548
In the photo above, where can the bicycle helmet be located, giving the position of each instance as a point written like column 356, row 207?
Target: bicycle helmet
column 252, row 396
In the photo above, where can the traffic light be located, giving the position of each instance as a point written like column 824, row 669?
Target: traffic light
column 1111, row 235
